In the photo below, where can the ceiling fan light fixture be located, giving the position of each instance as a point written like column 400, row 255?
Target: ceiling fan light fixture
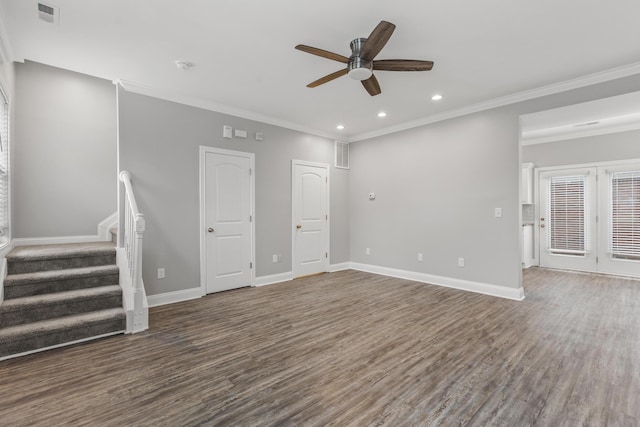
column 360, row 73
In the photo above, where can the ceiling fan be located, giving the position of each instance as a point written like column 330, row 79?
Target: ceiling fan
column 360, row 64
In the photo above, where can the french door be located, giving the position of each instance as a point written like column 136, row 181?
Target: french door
column 568, row 207
column 590, row 218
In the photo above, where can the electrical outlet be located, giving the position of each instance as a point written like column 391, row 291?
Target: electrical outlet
column 498, row 212
column 420, row 257
column 161, row 273
column 367, row 251
column 279, row 257
column 460, row 262
column 275, row 258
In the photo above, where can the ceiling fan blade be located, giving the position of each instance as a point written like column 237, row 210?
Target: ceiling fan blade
column 328, row 78
column 323, row 53
column 402, row 65
column 372, row 86
column 376, row 40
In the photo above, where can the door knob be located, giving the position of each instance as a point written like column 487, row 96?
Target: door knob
column 298, row 226
column 541, row 225
column 210, row 230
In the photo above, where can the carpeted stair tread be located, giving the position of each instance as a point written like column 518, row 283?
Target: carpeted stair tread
column 61, row 323
column 44, row 276
column 59, row 298
column 29, row 259
column 41, row 335
column 43, row 282
column 66, row 250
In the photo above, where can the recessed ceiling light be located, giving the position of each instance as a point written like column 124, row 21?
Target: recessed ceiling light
column 340, row 127
column 437, row 97
column 382, row 114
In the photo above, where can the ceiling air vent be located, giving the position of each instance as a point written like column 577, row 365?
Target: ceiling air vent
column 579, row 125
column 48, row 13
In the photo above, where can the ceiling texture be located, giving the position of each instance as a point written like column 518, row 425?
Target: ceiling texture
column 244, row 62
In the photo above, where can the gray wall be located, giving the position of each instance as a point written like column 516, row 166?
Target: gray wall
column 599, row 148
column 437, row 187
column 159, row 143
column 64, row 152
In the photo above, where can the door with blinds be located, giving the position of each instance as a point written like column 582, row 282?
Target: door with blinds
column 620, row 217
column 590, row 218
column 568, row 219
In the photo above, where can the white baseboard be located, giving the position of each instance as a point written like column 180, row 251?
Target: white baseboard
column 273, row 278
column 29, row 241
column 173, row 297
column 105, row 226
column 339, row 267
column 449, row 282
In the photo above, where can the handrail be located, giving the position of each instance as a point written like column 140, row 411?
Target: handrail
column 125, row 177
column 130, row 240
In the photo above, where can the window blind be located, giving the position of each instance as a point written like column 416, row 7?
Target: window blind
column 4, row 164
column 625, row 215
column 567, row 216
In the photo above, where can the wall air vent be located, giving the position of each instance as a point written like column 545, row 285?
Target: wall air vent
column 342, row 155
column 48, row 13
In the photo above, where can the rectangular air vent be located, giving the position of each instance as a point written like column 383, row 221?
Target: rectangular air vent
column 342, row 155
column 48, row 13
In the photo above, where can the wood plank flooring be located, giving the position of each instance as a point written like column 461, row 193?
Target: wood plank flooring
column 352, row 348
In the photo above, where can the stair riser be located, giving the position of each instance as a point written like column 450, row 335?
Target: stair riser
column 30, row 343
column 52, row 311
column 20, row 267
column 50, row 286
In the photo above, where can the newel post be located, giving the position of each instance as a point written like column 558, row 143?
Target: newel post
column 139, row 313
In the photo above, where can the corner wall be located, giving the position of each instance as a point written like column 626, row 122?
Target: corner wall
column 64, row 152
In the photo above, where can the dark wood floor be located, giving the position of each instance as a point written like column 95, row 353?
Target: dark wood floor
column 351, row 348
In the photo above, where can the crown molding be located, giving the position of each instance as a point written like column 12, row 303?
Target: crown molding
column 580, row 134
column 591, row 79
column 218, row 108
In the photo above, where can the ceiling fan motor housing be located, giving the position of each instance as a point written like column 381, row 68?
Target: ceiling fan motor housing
column 359, row 69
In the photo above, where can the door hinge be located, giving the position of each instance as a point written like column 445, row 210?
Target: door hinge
column 250, row 265
column 250, row 218
column 326, row 216
column 326, row 254
column 596, row 260
column 250, row 171
column 326, row 179
column 596, row 218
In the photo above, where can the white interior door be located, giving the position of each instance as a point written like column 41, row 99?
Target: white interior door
column 227, row 219
column 310, row 218
column 567, row 223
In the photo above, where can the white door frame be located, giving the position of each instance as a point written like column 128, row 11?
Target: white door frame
column 614, row 164
column 203, row 226
column 293, row 220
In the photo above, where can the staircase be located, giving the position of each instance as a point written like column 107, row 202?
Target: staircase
column 59, row 294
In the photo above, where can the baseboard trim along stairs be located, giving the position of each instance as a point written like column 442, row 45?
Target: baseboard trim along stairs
column 58, row 295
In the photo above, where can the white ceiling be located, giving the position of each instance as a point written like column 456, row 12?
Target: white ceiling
column 245, row 62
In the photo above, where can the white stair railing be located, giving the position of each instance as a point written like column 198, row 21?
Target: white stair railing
column 130, row 259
